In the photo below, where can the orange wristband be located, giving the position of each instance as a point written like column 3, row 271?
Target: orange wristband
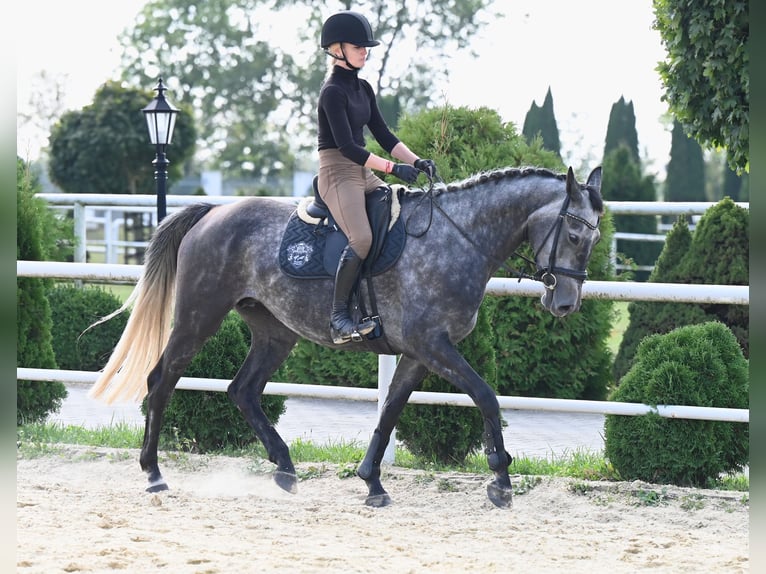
column 389, row 167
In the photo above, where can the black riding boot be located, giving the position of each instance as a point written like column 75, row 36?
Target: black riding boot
column 342, row 327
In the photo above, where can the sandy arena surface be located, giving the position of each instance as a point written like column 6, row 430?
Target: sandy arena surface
column 84, row 509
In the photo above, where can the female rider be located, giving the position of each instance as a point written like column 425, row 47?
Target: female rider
column 346, row 105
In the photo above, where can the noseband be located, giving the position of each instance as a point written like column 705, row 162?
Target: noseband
column 547, row 275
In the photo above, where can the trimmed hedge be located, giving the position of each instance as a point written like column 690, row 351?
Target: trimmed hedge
column 716, row 253
column 73, row 310
column 701, row 365
column 37, row 230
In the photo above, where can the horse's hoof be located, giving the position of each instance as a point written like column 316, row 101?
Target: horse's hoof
column 502, row 497
column 378, row 500
column 158, row 486
column 286, row 481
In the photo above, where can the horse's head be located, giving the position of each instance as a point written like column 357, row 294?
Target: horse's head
column 563, row 241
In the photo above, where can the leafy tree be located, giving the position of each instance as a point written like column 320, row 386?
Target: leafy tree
column 706, row 73
column 104, row 148
column 254, row 99
column 34, row 349
column 540, row 121
column 621, row 131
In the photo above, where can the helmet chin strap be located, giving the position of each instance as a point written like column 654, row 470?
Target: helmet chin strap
column 342, row 59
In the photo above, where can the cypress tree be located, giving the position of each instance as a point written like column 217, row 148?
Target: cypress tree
column 541, row 121
column 735, row 186
column 621, row 130
column 34, row 242
column 623, row 182
column 685, row 179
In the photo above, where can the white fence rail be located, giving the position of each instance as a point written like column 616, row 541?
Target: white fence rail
column 614, row 290
column 424, row 397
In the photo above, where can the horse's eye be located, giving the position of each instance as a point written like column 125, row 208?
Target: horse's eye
column 575, row 239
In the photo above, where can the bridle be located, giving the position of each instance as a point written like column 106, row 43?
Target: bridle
column 546, row 275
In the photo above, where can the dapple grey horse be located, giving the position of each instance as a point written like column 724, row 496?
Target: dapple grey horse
column 204, row 260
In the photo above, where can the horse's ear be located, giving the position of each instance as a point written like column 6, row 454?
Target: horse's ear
column 594, row 179
column 573, row 188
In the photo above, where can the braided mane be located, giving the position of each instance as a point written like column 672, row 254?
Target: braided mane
column 511, row 172
column 496, row 175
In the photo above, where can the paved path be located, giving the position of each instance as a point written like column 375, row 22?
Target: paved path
column 539, row 434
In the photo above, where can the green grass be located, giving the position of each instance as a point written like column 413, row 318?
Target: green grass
column 620, row 322
column 42, row 439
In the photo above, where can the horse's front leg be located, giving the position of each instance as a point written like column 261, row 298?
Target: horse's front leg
column 444, row 359
column 500, row 489
column 407, row 377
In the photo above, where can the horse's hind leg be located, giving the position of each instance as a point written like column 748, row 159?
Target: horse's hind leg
column 270, row 346
column 184, row 343
column 407, row 377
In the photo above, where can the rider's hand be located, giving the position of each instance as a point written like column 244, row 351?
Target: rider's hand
column 426, row 165
column 405, row 172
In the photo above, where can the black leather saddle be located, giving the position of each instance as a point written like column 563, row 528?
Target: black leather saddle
column 312, row 243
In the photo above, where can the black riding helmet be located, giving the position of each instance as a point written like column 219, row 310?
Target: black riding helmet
column 350, row 27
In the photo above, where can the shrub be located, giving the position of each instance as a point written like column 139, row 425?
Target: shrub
column 700, row 365
column 716, row 253
column 206, row 421
column 73, row 310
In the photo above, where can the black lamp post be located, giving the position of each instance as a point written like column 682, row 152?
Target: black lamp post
column 160, row 119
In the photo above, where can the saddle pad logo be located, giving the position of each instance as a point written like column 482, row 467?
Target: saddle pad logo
column 298, row 254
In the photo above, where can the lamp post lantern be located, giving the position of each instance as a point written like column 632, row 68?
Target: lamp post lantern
column 160, row 120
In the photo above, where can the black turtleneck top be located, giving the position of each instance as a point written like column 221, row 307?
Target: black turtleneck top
column 347, row 104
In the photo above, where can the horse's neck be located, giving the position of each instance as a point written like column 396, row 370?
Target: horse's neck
column 495, row 215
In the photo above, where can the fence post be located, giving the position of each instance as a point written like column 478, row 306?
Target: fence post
column 386, row 368
column 80, row 235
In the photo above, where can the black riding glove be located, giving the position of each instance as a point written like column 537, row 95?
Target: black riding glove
column 405, row 172
column 426, row 165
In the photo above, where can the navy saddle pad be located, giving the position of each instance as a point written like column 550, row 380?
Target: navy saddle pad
column 311, row 247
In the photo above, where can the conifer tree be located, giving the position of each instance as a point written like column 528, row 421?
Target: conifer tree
column 621, row 130
column 541, row 121
column 35, row 240
column 736, row 186
column 685, row 176
column 623, row 182
column 715, row 253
